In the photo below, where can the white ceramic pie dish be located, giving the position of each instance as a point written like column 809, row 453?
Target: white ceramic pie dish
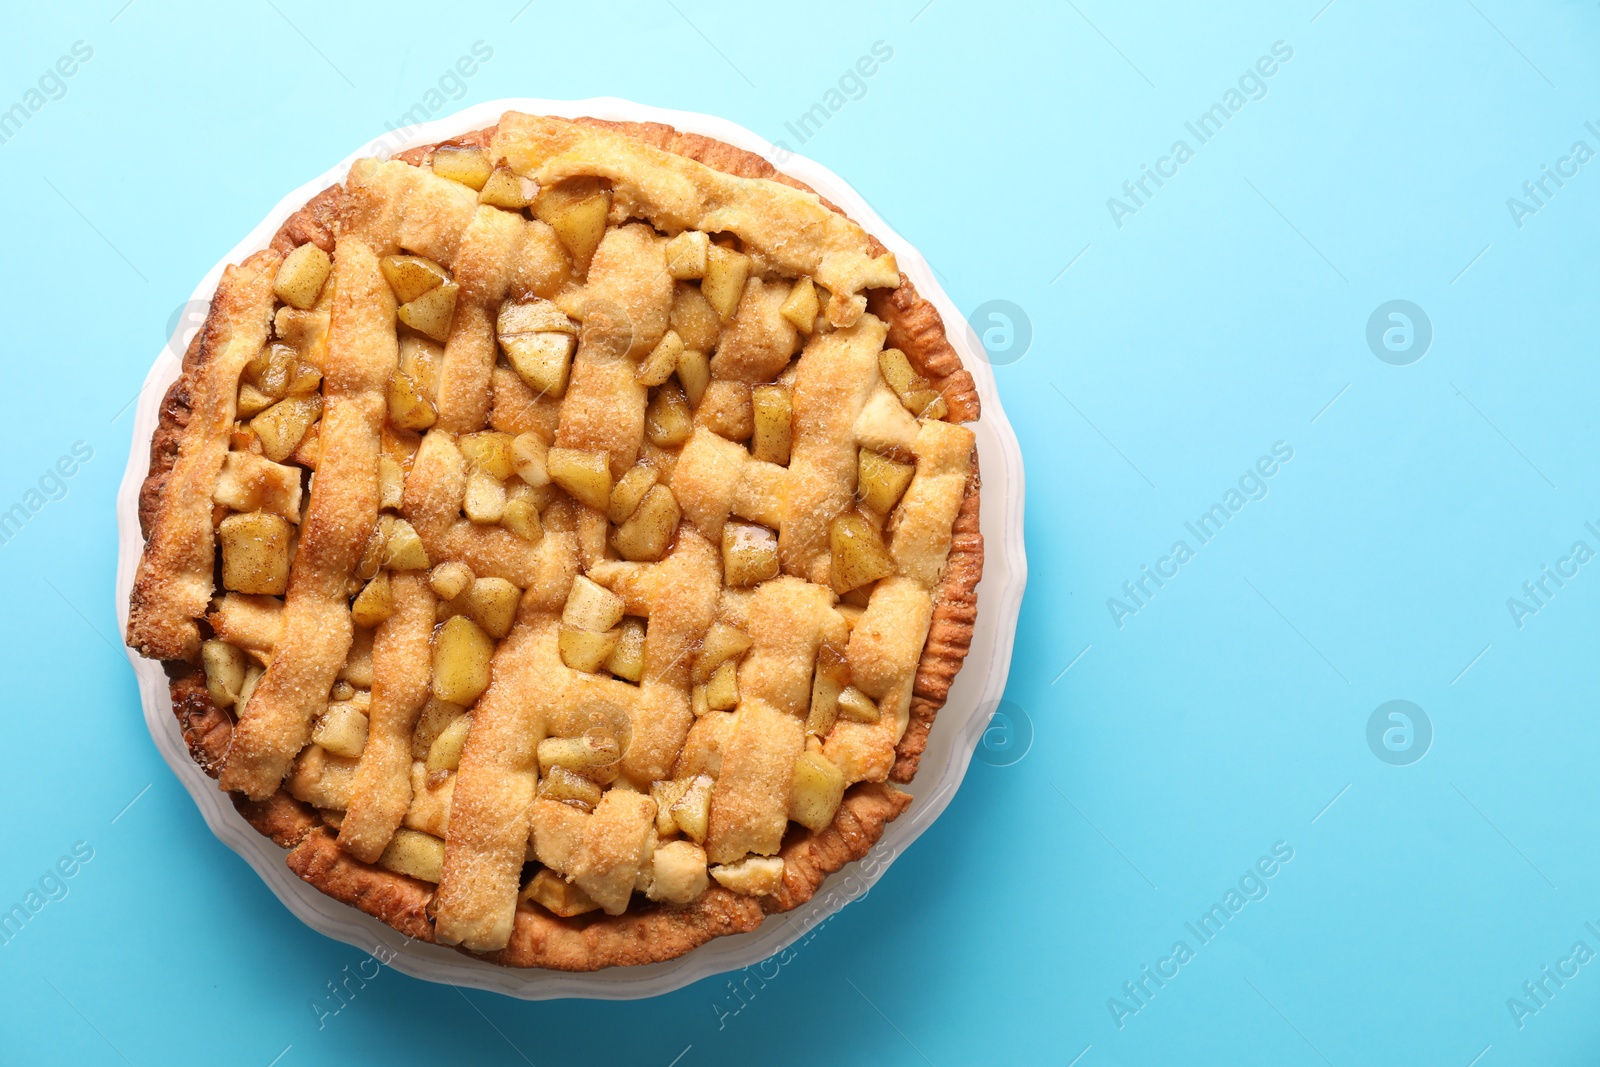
column 956, row 731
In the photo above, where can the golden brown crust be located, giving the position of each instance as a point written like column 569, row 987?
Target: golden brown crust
column 206, row 727
column 809, row 858
column 206, row 730
column 395, row 899
column 281, row 817
column 314, row 223
column 646, row 935
column 654, row 932
column 474, row 139
column 955, row 610
column 639, row 937
column 917, row 329
column 175, row 411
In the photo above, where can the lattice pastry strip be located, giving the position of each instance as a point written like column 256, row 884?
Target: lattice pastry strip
column 533, row 694
column 624, row 308
column 715, row 478
column 362, row 353
column 602, row 851
column 491, row 808
column 837, row 373
column 173, row 584
column 789, row 620
column 679, row 597
column 758, row 341
column 434, row 489
column 251, row 622
column 750, row 804
column 886, row 642
column 486, row 268
column 401, row 667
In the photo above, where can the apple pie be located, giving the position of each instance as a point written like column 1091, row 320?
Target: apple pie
column 560, row 540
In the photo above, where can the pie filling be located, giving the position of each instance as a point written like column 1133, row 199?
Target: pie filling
column 565, row 531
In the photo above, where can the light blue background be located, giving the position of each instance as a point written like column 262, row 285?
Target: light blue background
column 1229, row 313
